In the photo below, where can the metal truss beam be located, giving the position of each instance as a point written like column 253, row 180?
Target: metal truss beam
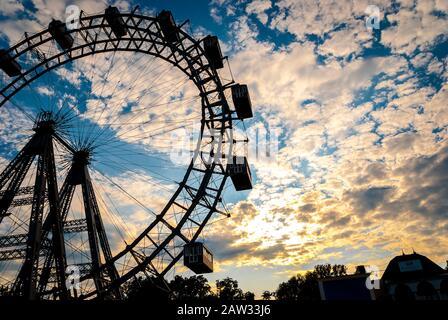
column 74, row 226
column 45, row 186
column 65, row 199
column 21, row 191
column 95, row 228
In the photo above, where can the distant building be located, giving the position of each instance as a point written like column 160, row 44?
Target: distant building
column 349, row 287
column 414, row 277
column 407, row 277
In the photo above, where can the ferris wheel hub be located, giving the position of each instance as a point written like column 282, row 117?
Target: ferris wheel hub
column 82, row 157
column 45, row 123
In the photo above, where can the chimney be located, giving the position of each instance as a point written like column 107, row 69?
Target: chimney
column 360, row 269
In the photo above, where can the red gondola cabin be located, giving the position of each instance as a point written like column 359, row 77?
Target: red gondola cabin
column 198, row 258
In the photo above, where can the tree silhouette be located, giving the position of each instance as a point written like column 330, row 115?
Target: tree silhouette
column 290, row 290
column 180, row 288
column 227, row 289
column 305, row 287
column 299, row 287
column 195, row 287
column 146, row 288
column 249, row 296
column 267, row 295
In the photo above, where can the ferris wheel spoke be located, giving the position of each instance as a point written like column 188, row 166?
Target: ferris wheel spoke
column 154, row 132
column 134, row 115
column 135, row 81
column 123, row 190
column 131, row 86
column 125, row 168
column 89, row 75
column 98, row 118
column 150, row 88
column 124, row 136
column 115, row 215
column 22, row 110
column 101, row 92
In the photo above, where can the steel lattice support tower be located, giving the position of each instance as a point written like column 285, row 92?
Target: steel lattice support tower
column 98, row 242
column 32, row 281
column 40, row 145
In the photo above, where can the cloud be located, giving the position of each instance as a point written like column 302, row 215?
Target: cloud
column 215, row 15
column 10, row 7
column 318, row 17
column 365, row 200
column 415, row 27
column 362, row 160
column 353, row 125
column 423, row 183
column 45, row 91
column 436, row 67
column 259, row 7
column 338, row 44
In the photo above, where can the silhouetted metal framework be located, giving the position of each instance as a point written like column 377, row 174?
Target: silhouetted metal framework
column 40, row 146
column 196, row 199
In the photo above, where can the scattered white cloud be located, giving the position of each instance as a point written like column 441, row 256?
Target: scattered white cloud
column 45, row 91
column 414, row 27
column 259, row 8
column 10, row 7
column 215, row 15
column 341, row 177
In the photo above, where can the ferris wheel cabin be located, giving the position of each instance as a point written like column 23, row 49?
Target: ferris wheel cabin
column 213, row 51
column 241, row 101
column 115, row 21
column 168, row 26
column 59, row 32
column 9, row 65
column 198, row 258
column 240, row 174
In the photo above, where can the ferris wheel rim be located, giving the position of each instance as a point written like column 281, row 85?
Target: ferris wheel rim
column 226, row 117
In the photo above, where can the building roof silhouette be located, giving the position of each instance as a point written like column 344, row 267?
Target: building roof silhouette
column 411, row 266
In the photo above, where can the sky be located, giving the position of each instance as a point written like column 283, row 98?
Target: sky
column 359, row 110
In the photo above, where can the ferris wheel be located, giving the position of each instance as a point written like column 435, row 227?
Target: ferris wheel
column 91, row 117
